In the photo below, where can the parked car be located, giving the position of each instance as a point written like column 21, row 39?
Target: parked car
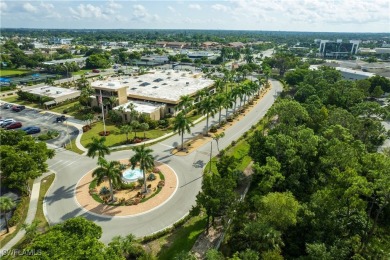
column 61, row 118
column 31, row 130
column 14, row 125
column 18, row 108
column 7, row 121
column 96, row 71
column 7, row 106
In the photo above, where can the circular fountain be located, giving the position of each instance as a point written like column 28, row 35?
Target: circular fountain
column 132, row 175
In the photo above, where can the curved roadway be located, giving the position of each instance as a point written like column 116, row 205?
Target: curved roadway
column 60, row 203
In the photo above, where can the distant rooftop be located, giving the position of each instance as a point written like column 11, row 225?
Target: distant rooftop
column 51, row 91
column 53, row 62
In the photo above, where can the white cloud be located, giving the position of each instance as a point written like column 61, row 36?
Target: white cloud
column 195, row 6
column 29, row 8
column 3, row 7
column 170, row 8
column 141, row 14
column 88, row 11
column 114, row 5
column 220, row 8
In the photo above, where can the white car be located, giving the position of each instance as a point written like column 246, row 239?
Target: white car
column 8, row 120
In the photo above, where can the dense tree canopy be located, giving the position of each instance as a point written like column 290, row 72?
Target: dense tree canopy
column 320, row 190
column 22, row 158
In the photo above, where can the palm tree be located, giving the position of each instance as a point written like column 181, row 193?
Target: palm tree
column 219, row 101
column 112, row 101
column 98, row 147
column 185, row 103
column 126, row 129
column 207, row 106
column 234, row 94
column 135, row 125
column 89, row 117
column 182, row 124
column 144, row 127
column 133, row 112
column 228, row 103
column 144, row 157
column 110, row 170
column 6, row 205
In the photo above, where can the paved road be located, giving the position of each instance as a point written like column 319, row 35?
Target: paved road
column 60, row 203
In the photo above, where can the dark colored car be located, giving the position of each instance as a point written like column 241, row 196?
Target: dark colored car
column 31, row 130
column 14, row 125
column 18, row 108
column 7, row 106
column 61, row 118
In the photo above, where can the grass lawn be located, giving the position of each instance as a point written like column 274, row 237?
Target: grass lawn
column 74, row 148
column 45, row 185
column 81, row 72
column 4, row 72
column 240, row 152
column 14, row 99
column 69, row 107
column 116, row 138
column 181, row 239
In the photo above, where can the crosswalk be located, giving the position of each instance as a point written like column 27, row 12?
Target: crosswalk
column 60, row 164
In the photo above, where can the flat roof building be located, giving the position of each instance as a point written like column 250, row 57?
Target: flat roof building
column 57, row 94
column 159, row 86
column 154, row 110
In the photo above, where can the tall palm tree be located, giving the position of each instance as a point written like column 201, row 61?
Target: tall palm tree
column 144, row 127
column 6, row 205
column 234, row 95
column 228, row 103
column 97, row 147
column 182, row 124
column 208, row 107
column 219, row 101
column 144, row 157
column 110, row 170
column 126, row 129
column 185, row 103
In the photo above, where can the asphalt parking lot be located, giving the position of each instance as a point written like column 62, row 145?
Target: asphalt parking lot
column 46, row 121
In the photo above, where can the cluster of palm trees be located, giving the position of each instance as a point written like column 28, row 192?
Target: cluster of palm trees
column 111, row 170
column 209, row 105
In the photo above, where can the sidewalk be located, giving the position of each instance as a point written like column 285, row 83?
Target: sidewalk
column 32, row 210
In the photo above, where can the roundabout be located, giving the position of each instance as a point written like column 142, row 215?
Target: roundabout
column 157, row 199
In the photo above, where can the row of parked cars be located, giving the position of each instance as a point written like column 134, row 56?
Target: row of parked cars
column 15, row 108
column 10, row 123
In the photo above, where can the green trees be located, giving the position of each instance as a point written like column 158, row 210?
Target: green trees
column 6, row 205
column 22, row 159
column 143, row 156
column 318, row 187
column 78, row 238
column 97, row 147
column 182, row 124
column 108, row 170
column 185, row 103
column 207, row 106
column 126, row 129
column 98, row 61
column 144, row 127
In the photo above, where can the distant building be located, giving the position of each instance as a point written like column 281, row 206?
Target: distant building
column 159, row 91
column 237, row 45
column 61, row 40
column 349, row 74
column 338, row 49
column 57, row 94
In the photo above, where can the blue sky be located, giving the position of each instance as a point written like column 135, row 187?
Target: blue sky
column 284, row 15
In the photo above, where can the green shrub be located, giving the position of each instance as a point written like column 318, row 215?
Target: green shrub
column 151, row 177
column 18, row 213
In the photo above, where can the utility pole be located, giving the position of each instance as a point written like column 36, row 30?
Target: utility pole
column 101, row 102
